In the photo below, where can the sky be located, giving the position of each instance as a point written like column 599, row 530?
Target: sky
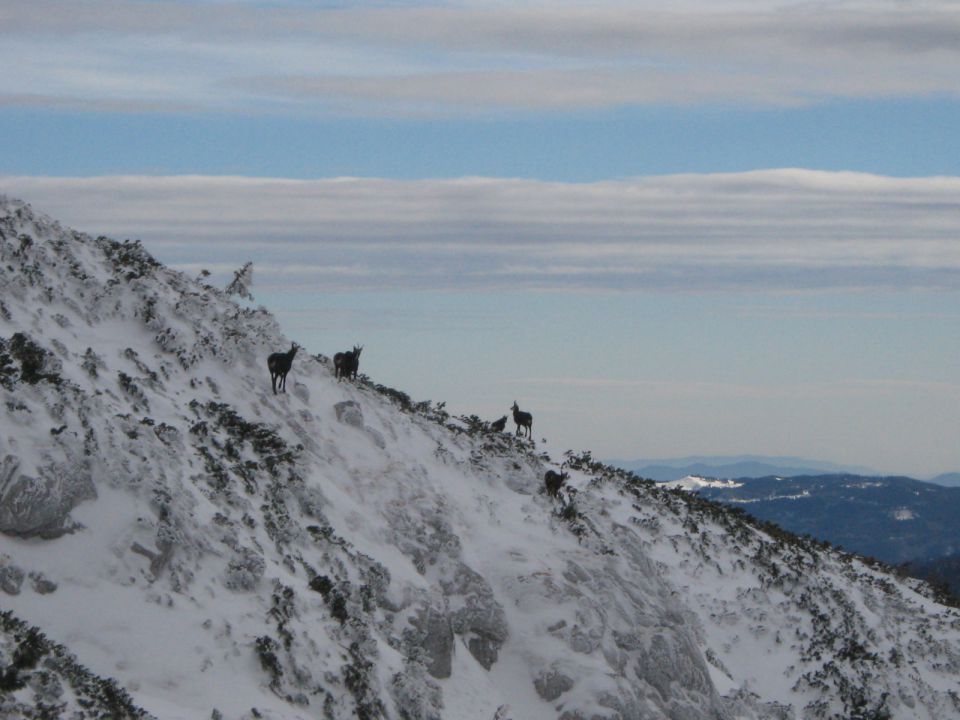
column 664, row 229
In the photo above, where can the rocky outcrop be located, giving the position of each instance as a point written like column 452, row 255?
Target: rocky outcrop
column 551, row 684
column 479, row 618
column 40, row 506
column 432, row 632
column 11, row 576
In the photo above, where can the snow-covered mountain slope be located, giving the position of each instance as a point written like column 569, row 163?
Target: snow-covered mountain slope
column 340, row 552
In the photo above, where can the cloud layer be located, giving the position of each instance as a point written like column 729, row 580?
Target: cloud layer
column 779, row 230
column 422, row 58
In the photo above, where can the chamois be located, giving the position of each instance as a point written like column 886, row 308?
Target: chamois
column 522, row 419
column 279, row 365
column 554, row 480
column 345, row 364
column 499, row 425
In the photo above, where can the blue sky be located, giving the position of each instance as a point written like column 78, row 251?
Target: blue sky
column 883, row 136
column 665, row 229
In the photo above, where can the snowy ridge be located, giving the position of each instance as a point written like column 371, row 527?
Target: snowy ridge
column 342, row 552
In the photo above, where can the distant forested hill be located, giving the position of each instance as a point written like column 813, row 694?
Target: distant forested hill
column 943, row 571
column 894, row 519
column 735, row 466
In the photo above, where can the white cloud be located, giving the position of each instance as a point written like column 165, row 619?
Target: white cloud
column 788, row 229
column 422, row 58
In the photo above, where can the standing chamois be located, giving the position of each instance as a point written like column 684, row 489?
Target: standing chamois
column 522, row 419
column 345, row 364
column 279, row 365
column 554, row 480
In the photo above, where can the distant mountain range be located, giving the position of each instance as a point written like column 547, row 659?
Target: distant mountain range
column 734, row 466
column 948, row 479
column 894, row 519
column 751, row 466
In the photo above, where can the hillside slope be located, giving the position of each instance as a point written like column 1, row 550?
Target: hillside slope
column 341, row 552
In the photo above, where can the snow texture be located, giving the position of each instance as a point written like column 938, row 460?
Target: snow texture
column 340, row 551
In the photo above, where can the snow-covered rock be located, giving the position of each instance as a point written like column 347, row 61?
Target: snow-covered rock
column 341, row 552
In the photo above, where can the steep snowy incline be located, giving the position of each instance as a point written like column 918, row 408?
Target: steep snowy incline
column 341, row 552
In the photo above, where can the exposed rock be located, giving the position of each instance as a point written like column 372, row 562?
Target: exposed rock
column 484, row 649
column 167, row 434
column 40, row 506
column 627, row 640
column 427, row 541
column 584, row 641
column 11, row 576
column 434, row 635
column 349, row 413
column 552, row 684
column 41, row 584
column 481, row 617
column 416, row 695
column 665, row 663
column 158, row 560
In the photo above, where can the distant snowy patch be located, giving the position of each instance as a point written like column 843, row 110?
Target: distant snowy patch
column 769, row 498
column 693, row 483
column 904, row 514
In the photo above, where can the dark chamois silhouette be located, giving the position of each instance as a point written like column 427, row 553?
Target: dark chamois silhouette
column 279, row 365
column 499, row 425
column 554, row 480
column 345, row 364
column 522, row 419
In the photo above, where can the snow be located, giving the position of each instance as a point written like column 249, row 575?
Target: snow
column 641, row 602
column 693, row 483
column 803, row 495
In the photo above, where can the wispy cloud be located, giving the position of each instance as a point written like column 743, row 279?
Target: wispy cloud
column 782, row 230
column 471, row 57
